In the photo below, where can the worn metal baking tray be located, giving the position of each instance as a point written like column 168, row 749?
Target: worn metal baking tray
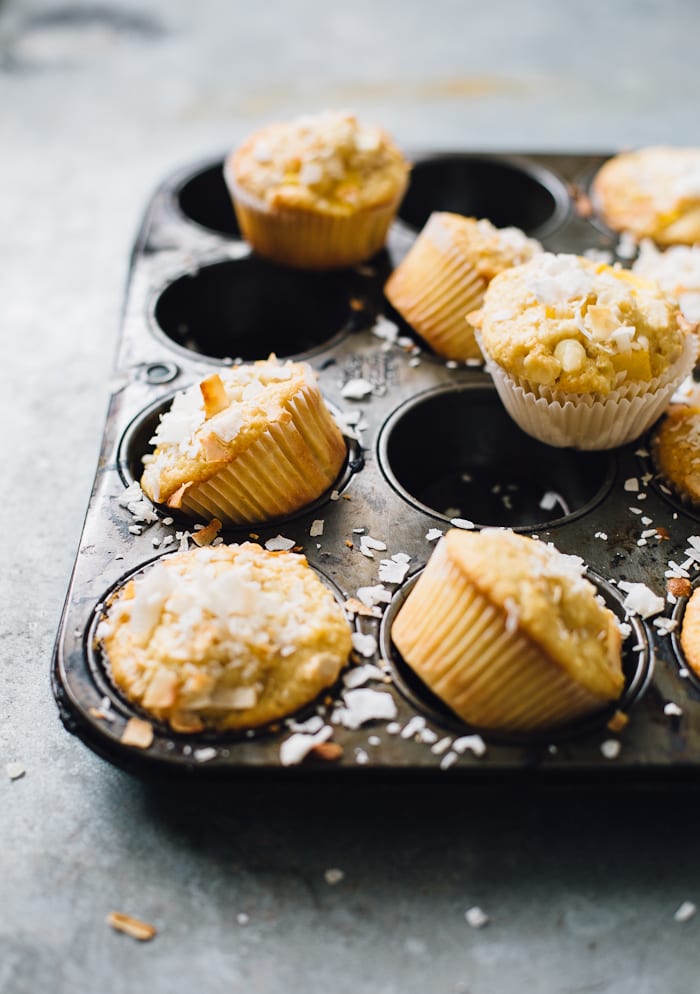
column 435, row 445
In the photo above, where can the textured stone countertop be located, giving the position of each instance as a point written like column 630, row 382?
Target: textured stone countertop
column 97, row 103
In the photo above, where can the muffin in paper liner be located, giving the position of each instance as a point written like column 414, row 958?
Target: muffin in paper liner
column 583, row 354
column 591, row 421
column 690, row 632
column 246, row 445
column 675, row 450
column 465, row 633
column 231, row 637
column 304, row 240
column 445, row 274
column 317, row 192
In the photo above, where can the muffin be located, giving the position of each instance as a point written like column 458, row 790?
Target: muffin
column 677, row 271
column 690, row 632
column 445, row 275
column 508, row 633
column 675, row 448
column 582, row 354
column 247, row 444
column 229, row 637
column 651, row 193
column 318, row 192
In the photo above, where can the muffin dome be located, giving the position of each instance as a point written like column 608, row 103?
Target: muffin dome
column 509, row 634
column 226, row 637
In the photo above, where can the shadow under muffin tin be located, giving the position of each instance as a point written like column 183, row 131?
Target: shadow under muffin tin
column 435, row 446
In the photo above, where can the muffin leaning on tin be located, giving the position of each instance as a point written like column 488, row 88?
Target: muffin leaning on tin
column 226, row 638
column 509, row 634
column 445, row 275
column 675, row 449
column 247, row 444
column 582, row 354
column 651, row 193
column 318, row 192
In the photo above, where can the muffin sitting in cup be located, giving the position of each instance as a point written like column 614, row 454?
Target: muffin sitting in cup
column 652, row 193
column 247, row 444
column 318, row 192
column 231, row 637
column 509, row 633
column 582, row 354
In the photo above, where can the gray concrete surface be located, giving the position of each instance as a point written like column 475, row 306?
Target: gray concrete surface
column 97, row 102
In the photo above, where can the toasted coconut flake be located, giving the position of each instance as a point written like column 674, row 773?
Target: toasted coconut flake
column 137, row 733
column 618, row 721
column 175, row 499
column 355, row 606
column 162, row 689
column 678, row 586
column 214, row 449
column 214, row 395
column 205, row 536
column 131, row 926
column 184, row 721
column 329, row 751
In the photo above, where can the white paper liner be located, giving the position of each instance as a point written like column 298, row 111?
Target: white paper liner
column 289, row 466
column 458, row 642
column 591, row 421
column 434, row 288
column 311, row 240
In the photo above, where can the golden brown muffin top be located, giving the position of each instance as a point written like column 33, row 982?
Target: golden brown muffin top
column 652, row 192
column 564, row 322
column 690, row 632
column 329, row 163
column 546, row 596
column 488, row 248
column 232, row 636
column 676, row 449
column 212, row 422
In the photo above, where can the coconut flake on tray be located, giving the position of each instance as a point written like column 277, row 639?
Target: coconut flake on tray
column 138, row 506
column 641, row 600
column 373, row 596
column 299, row 744
column 357, row 389
column 279, row 544
column 394, row 570
column 364, row 644
column 359, row 675
column 362, row 705
column 369, row 545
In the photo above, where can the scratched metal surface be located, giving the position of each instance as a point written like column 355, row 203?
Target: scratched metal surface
column 197, row 299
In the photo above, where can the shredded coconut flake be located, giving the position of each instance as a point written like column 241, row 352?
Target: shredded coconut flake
column 279, row 544
column 475, row 917
column 610, row 748
column 297, row 747
column 685, row 912
column 364, row 705
column 641, row 600
column 364, row 644
column 357, row 389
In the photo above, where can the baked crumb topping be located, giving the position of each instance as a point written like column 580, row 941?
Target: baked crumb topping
column 329, row 162
column 565, row 322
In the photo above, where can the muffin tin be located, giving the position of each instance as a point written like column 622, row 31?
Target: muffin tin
column 429, row 444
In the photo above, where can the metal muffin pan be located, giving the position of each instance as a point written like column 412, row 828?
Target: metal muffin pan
column 435, row 445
